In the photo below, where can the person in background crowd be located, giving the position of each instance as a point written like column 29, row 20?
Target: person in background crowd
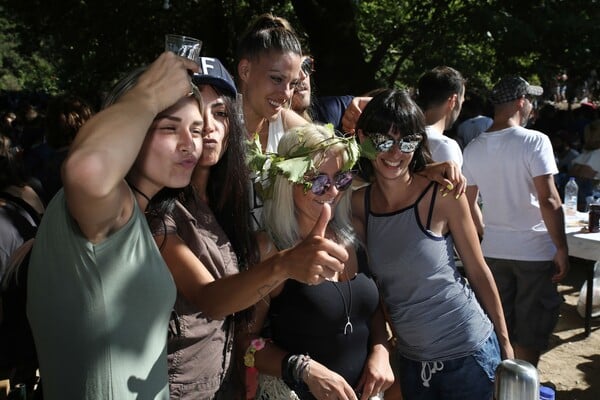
column 450, row 335
column 99, row 294
column 7, row 125
column 324, row 109
column 65, row 115
column 587, row 164
column 564, row 153
column 21, row 207
column 328, row 340
column 513, row 168
column 475, row 120
column 441, row 92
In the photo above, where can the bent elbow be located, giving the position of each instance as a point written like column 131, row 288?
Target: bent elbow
column 86, row 174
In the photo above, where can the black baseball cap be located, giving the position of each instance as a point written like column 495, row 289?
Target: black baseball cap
column 212, row 72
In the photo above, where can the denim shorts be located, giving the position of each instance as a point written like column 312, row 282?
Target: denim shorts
column 465, row 378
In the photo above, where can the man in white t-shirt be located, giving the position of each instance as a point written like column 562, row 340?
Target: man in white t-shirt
column 522, row 225
column 441, row 93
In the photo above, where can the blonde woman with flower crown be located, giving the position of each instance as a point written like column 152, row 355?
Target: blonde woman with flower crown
column 326, row 340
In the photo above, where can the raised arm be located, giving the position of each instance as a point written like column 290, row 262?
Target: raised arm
column 108, row 144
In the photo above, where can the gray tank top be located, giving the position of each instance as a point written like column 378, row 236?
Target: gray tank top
column 434, row 312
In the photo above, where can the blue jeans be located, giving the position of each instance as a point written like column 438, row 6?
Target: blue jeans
column 466, row 378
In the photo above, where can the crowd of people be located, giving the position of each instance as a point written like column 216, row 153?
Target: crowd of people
column 209, row 235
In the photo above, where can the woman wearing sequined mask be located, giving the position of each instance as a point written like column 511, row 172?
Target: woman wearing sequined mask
column 338, row 322
column 450, row 334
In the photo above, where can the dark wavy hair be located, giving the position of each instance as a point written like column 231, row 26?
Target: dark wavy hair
column 393, row 110
column 268, row 33
column 437, row 85
column 65, row 115
column 227, row 190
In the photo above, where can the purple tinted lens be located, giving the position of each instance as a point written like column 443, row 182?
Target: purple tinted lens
column 343, row 180
column 320, row 184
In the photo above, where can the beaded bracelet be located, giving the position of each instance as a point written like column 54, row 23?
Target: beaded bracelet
column 293, row 369
column 255, row 345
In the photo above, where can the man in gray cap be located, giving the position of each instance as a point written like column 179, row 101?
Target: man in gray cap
column 521, row 221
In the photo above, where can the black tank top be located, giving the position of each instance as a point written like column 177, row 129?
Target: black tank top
column 311, row 320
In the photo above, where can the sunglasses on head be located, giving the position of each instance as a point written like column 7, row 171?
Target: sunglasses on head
column 308, row 66
column 321, row 183
column 384, row 143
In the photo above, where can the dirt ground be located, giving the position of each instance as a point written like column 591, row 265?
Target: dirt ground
column 572, row 363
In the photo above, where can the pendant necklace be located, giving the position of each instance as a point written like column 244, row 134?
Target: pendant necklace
column 348, row 328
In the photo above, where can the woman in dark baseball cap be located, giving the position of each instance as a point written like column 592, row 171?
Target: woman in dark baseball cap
column 204, row 234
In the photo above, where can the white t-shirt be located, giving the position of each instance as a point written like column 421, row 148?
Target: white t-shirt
column 443, row 148
column 502, row 164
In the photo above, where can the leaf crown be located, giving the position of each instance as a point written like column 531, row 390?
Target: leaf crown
column 300, row 162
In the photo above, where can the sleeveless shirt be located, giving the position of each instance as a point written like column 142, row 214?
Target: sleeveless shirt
column 276, row 131
column 311, row 320
column 99, row 312
column 434, row 312
column 200, row 348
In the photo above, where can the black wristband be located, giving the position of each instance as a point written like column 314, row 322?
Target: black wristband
column 286, row 370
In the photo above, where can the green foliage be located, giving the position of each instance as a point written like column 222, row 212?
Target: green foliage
column 19, row 70
column 297, row 163
column 84, row 46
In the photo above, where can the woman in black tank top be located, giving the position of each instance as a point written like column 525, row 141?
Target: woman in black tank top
column 326, row 338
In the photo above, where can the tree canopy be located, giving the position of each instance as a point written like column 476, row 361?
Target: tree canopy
column 83, row 46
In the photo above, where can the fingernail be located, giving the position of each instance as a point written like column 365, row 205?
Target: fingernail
column 445, row 194
column 442, row 189
column 450, row 186
column 458, row 196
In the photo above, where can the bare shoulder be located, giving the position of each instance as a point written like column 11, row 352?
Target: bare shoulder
column 358, row 202
column 450, row 206
column 359, row 213
column 291, row 119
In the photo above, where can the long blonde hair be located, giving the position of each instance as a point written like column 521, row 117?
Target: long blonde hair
column 279, row 216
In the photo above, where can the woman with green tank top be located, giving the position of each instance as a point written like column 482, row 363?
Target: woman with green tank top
column 99, row 293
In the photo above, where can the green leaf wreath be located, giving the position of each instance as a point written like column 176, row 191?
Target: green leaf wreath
column 297, row 164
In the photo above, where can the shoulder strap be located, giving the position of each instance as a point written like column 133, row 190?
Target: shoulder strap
column 25, row 228
column 432, row 183
column 24, row 205
column 433, row 195
column 367, row 204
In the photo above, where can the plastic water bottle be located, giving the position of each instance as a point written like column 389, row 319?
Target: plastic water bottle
column 571, row 190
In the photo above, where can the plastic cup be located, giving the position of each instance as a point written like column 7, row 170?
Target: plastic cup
column 184, row 46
